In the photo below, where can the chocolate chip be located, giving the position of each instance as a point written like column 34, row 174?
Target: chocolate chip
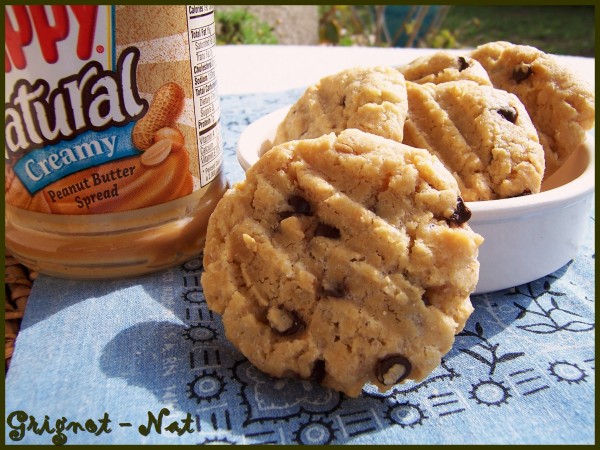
column 524, row 193
column 509, row 113
column 522, row 72
column 327, row 231
column 461, row 214
column 393, row 369
column 462, row 64
column 425, row 299
column 318, row 371
column 285, row 214
column 298, row 325
column 300, row 205
column 343, row 101
column 338, row 291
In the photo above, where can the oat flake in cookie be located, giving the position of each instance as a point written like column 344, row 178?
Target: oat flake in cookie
column 372, row 99
column 344, row 260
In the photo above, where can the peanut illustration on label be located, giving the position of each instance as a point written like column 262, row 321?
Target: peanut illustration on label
column 156, row 153
column 91, row 132
column 173, row 135
column 166, row 106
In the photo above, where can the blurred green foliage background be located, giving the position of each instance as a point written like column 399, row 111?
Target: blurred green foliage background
column 568, row 30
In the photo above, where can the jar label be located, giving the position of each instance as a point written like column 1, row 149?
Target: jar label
column 109, row 108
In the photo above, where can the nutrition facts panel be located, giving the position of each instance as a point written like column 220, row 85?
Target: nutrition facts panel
column 202, row 39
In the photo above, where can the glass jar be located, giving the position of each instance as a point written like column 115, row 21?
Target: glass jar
column 113, row 151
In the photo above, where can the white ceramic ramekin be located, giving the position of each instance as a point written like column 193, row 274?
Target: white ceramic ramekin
column 529, row 237
column 526, row 237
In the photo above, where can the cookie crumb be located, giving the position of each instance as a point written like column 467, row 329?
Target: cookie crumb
column 284, row 322
column 250, row 242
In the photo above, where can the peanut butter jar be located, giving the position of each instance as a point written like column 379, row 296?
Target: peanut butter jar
column 113, row 151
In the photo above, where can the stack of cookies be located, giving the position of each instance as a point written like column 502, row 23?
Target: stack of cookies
column 345, row 256
column 560, row 107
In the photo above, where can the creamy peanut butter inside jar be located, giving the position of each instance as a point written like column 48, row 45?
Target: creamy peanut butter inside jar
column 113, row 152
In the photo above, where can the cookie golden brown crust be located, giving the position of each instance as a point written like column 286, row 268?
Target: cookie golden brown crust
column 483, row 135
column 344, row 260
column 443, row 66
column 370, row 99
column 561, row 107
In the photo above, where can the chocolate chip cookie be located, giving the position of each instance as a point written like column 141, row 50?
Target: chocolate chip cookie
column 372, row 99
column 561, row 107
column 344, row 260
column 483, row 135
column 443, row 66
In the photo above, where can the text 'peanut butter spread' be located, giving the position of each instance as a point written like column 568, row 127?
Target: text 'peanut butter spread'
column 113, row 152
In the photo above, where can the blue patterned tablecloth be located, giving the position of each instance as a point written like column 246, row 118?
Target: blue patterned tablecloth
column 143, row 360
